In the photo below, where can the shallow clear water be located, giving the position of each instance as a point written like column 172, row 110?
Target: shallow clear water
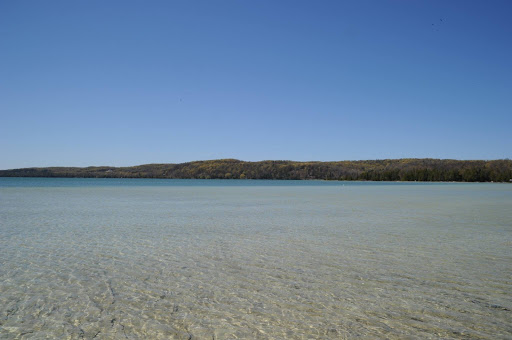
column 139, row 259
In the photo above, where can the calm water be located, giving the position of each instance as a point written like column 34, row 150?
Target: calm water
column 150, row 259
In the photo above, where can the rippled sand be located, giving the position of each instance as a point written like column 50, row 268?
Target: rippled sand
column 256, row 262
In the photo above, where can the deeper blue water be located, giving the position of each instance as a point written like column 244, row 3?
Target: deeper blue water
column 88, row 182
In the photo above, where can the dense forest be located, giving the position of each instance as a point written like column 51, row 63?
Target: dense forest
column 376, row 170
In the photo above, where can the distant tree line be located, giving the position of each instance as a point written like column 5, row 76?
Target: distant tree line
column 373, row 170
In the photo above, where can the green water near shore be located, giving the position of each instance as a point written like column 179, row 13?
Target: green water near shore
column 167, row 259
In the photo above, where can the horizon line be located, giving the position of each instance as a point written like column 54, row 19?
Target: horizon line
column 265, row 160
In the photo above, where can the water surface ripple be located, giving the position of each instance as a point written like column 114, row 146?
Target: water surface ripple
column 261, row 260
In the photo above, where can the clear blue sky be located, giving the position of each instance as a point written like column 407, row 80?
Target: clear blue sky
column 133, row 82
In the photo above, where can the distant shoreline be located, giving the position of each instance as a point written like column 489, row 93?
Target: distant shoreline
column 392, row 170
column 253, row 179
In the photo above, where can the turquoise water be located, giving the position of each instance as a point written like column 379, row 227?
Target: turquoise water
column 144, row 258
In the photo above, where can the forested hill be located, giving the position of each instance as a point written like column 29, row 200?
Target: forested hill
column 377, row 170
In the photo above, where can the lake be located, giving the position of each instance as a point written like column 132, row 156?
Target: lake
column 248, row 259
